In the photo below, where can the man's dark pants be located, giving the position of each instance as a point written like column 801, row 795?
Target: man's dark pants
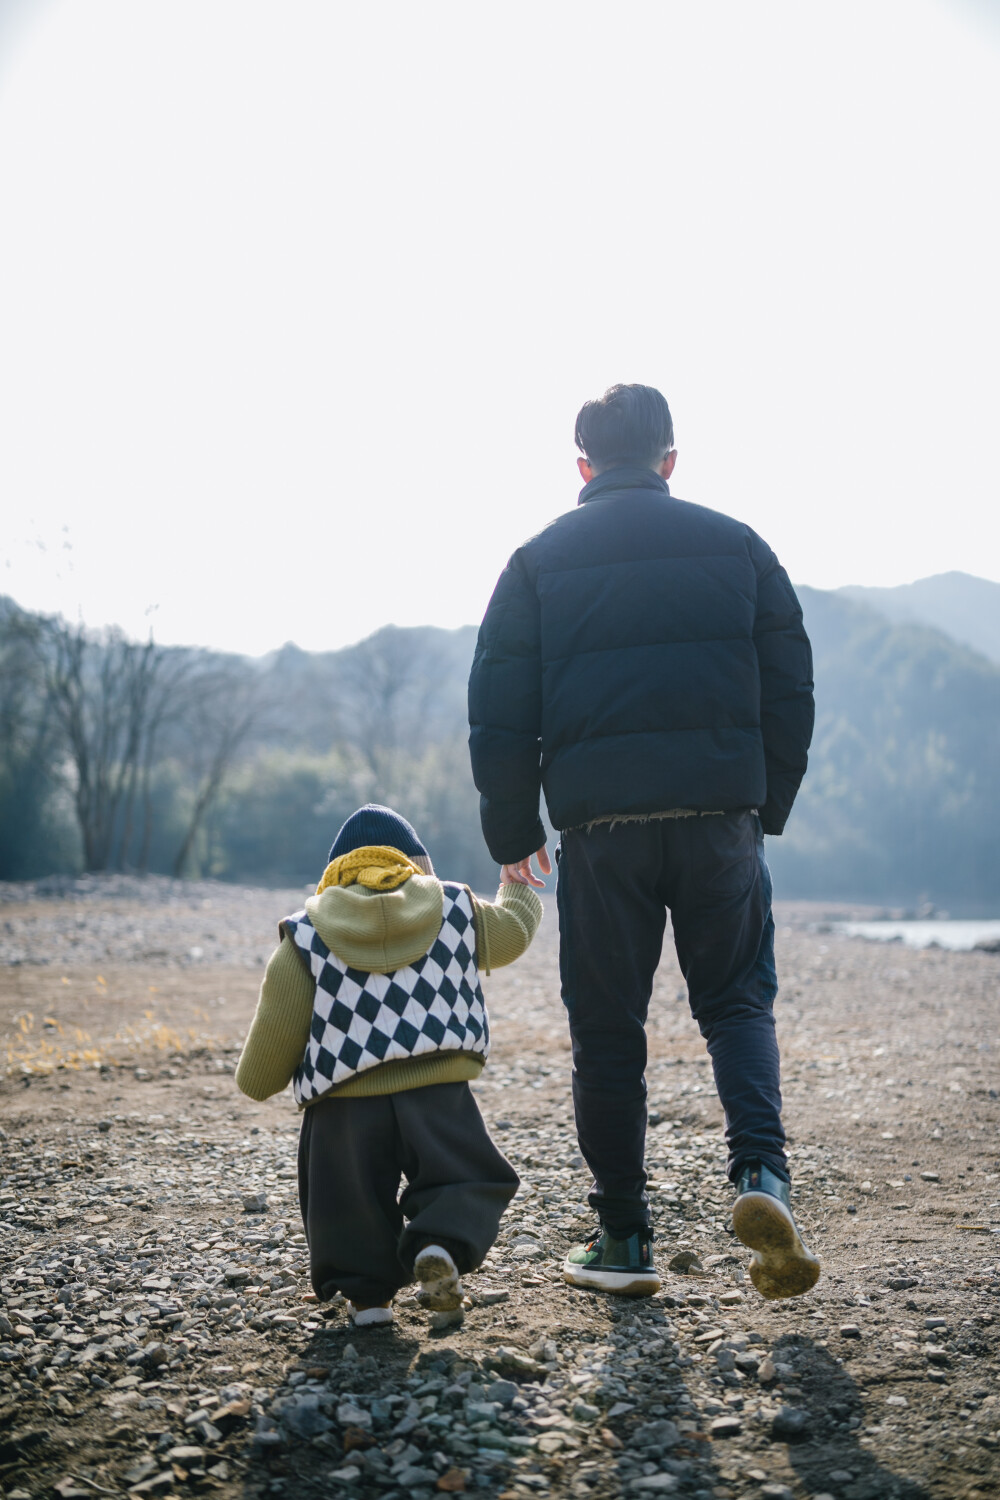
column 353, row 1154
column 616, row 882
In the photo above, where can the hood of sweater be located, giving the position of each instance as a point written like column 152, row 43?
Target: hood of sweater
column 379, row 931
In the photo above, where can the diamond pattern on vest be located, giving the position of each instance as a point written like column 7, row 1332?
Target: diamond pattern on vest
column 360, row 1020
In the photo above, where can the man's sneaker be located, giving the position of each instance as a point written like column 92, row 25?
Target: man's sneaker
column 780, row 1266
column 440, row 1284
column 369, row 1317
column 604, row 1264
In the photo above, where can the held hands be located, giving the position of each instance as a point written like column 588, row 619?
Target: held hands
column 523, row 874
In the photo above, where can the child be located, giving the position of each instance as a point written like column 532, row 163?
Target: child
column 372, row 1004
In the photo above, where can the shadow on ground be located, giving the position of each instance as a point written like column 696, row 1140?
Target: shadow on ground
column 823, row 1431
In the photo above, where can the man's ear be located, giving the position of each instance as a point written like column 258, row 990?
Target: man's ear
column 585, row 470
column 667, row 466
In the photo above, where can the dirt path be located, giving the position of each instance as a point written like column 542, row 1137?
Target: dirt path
column 153, row 1332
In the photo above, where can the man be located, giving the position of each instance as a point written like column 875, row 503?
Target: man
column 644, row 661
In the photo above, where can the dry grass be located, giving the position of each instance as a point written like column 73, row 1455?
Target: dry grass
column 50, row 1046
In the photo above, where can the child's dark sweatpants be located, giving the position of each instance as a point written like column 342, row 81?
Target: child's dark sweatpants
column 352, row 1155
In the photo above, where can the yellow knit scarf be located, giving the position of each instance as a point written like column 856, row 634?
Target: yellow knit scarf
column 376, row 866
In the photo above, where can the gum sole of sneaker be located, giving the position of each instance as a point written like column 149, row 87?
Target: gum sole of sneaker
column 781, row 1266
column 620, row 1283
column 440, row 1285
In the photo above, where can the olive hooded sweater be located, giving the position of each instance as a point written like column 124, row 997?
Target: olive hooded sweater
column 377, row 931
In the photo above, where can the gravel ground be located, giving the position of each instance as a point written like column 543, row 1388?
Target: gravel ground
column 155, row 1336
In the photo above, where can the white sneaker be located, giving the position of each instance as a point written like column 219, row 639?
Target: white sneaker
column 368, row 1317
column 440, row 1283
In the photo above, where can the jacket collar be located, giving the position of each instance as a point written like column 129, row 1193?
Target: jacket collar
column 624, row 477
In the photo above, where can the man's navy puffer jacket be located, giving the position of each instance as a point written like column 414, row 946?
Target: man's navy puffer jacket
column 640, row 654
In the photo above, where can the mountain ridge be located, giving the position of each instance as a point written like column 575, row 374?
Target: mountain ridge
column 961, row 605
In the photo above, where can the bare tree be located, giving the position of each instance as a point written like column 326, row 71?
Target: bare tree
column 29, row 741
column 389, row 681
column 223, row 703
column 20, row 688
column 99, row 686
column 139, row 691
column 175, row 667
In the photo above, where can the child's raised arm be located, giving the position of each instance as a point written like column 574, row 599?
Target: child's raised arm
column 505, row 927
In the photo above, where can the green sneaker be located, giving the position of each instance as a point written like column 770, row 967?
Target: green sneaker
column 604, row 1264
column 780, row 1266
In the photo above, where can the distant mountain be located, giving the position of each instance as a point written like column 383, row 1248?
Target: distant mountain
column 899, row 802
column 964, row 607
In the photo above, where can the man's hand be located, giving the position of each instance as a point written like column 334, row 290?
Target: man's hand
column 523, row 874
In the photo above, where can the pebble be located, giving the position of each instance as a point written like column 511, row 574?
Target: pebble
column 414, row 1474
column 186, row 1455
column 850, row 1331
column 620, row 1408
column 453, row 1318
column 303, row 1416
column 684, row 1263
column 726, row 1427
column 661, row 1434
column 790, row 1424
column 349, row 1415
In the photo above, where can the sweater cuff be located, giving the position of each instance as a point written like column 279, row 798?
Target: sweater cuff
column 525, row 902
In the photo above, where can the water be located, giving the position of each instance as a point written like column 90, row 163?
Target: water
column 958, row 936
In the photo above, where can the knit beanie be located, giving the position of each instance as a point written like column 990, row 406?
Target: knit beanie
column 376, row 825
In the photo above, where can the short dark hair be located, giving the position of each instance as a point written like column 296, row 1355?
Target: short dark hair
column 629, row 424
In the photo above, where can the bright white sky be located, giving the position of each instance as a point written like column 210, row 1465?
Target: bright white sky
column 298, row 300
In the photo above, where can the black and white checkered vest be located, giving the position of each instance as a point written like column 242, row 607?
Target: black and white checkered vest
column 363, row 1019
